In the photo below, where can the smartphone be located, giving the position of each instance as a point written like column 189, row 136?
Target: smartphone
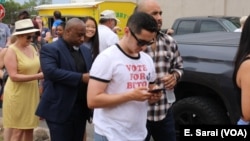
column 156, row 90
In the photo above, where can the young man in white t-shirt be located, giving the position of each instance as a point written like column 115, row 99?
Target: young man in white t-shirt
column 120, row 78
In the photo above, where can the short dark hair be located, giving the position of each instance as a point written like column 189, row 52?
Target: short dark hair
column 102, row 21
column 141, row 20
column 57, row 14
column 23, row 15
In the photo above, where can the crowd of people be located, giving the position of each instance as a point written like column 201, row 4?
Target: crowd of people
column 81, row 70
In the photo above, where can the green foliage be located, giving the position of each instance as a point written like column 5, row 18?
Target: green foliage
column 2, row 1
column 40, row 2
column 29, row 6
column 12, row 8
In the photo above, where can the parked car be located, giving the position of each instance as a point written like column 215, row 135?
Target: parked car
column 186, row 25
column 205, row 95
column 234, row 19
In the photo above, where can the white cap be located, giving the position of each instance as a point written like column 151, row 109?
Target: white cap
column 109, row 14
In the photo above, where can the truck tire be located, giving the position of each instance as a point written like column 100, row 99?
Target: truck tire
column 198, row 111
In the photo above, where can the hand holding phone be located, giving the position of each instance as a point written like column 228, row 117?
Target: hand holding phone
column 156, row 90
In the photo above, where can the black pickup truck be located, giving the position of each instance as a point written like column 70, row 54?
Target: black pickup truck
column 187, row 25
column 205, row 95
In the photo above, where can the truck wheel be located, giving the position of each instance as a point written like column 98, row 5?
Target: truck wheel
column 198, row 111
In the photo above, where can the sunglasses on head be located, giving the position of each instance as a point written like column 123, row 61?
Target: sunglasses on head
column 141, row 42
column 29, row 37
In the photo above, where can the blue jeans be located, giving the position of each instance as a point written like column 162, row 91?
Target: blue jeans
column 98, row 137
column 163, row 130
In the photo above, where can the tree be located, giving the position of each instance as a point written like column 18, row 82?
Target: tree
column 29, row 6
column 11, row 10
column 40, row 2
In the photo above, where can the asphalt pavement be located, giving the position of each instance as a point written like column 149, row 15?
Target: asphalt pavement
column 90, row 129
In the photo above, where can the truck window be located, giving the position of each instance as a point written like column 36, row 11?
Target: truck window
column 186, row 27
column 209, row 26
column 230, row 25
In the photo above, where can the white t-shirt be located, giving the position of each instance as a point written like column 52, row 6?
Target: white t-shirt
column 127, row 121
column 107, row 37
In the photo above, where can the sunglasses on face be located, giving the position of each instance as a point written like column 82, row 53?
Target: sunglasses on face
column 29, row 37
column 141, row 42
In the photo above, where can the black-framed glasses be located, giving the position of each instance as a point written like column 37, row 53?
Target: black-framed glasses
column 29, row 37
column 141, row 42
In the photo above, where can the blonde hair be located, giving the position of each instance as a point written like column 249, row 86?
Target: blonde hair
column 242, row 20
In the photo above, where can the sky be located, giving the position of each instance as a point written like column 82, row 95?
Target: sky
column 53, row 1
